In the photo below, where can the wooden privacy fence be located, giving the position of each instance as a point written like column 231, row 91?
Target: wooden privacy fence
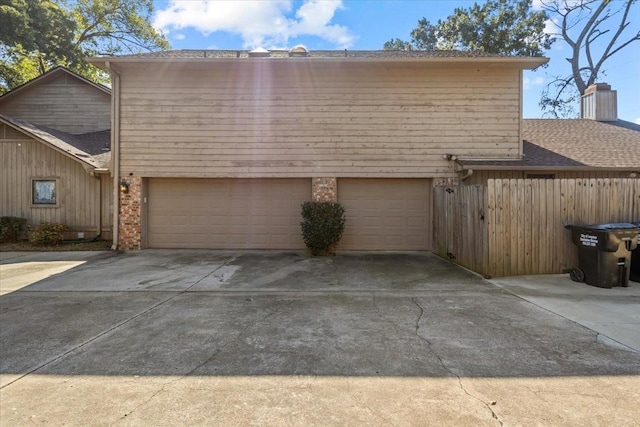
column 517, row 226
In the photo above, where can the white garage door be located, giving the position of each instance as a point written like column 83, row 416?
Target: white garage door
column 386, row 214
column 226, row 213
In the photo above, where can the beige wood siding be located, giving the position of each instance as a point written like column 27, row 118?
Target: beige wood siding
column 64, row 103
column 481, row 176
column 288, row 118
column 78, row 193
column 386, row 214
column 226, row 213
column 106, row 206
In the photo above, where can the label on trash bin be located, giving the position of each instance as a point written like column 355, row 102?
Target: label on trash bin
column 589, row 240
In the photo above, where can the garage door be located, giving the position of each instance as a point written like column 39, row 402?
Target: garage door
column 386, row 214
column 226, row 213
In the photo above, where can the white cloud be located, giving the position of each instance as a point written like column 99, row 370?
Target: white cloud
column 537, row 4
column 528, row 83
column 637, row 121
column 179, row 36
column 551, row 26
column 258, row 22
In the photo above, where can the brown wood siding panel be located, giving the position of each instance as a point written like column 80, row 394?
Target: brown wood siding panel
column 226, row 213
column 386, row 214
column 298, row 119
column 106, row 182
column 77, row 191
column 65, row 104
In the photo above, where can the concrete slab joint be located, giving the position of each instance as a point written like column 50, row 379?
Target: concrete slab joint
column 324, row 189
column 130, row 228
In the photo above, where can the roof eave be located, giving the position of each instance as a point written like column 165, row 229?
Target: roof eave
column 47, row 76
column 585, row 168
column 524, row 63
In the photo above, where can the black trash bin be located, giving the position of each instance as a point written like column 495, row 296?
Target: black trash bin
column 604, row 253
column 635, row 260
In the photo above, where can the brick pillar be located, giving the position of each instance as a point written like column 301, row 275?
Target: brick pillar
column 130, row 230
column 324, row 190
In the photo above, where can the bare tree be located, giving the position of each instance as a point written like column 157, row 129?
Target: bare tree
column 595, row 30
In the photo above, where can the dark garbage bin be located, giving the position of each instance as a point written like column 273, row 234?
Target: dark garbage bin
column 604, row 253
column 634, row 274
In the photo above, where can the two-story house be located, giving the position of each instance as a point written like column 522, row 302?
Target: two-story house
column 218, row 149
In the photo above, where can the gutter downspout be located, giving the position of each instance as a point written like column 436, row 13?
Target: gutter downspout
column 468, row 175
column 115, row 150
column 457, row 160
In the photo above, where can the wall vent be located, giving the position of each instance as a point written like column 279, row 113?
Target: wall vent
column 259, row 52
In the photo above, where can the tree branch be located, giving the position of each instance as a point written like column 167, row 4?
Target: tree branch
column 621, row 27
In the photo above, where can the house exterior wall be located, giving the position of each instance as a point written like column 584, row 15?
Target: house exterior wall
column 58, row 104
column 106, row 205
column 289, row 118
column 481, row 176
column 23, row 159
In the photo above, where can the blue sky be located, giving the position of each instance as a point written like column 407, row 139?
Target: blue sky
column 358, row 24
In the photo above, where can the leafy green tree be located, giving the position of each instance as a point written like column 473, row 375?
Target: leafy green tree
column 397, row 44
column 504, row 27
column 594, row 30
column 37, row 35
column 36, row 25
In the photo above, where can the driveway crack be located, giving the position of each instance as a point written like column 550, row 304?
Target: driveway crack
column 446, row 368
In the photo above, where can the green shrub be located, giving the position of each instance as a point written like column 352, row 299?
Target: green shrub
column 322, row 226
column 48, row 234
column 12, row 228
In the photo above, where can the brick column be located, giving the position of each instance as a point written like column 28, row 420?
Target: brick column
column 130, row 212
column 324, row 190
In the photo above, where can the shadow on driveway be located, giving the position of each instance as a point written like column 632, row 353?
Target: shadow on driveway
column 220, row 313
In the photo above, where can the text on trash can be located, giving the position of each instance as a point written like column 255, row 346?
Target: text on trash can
column 588, row 240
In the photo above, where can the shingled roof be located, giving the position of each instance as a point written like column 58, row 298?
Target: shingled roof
column 92, row 149
column 220, row 54
column 434, row 58
column 574, row 143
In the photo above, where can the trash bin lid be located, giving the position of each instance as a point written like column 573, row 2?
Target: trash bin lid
column 607, row 227
column 616, row 226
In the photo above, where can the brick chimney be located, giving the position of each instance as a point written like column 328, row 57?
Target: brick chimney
column 599, row 103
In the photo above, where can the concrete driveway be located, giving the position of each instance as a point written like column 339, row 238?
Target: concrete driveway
column 276, row 338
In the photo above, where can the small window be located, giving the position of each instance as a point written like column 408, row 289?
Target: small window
column 541, row 176
column 44, row 192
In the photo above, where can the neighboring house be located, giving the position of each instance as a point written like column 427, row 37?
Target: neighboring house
column 218, row 149
column 595, row 146
column 55, row 154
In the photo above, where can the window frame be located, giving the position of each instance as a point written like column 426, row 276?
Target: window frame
column 56, row 198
